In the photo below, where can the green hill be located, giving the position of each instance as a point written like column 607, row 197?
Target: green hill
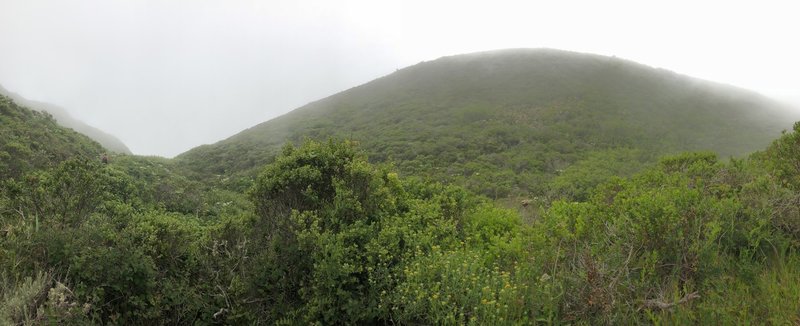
column 322, row 236
column 33, row 140
column 65, row 119
column 509, row 123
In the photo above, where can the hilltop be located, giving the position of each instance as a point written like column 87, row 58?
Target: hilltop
column 512, row 122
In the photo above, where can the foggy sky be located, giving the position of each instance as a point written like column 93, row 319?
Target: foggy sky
column 168, row 75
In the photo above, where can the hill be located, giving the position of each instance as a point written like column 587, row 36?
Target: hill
column 63, row 118
column 512, row 122
column 322, row 236
column 32, row 140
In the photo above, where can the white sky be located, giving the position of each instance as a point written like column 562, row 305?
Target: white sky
column 167, row 75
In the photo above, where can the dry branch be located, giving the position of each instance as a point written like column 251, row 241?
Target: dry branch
column 654, row 303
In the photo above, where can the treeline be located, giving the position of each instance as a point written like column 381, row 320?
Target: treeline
column 324, row 237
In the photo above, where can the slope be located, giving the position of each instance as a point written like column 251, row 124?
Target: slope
column 63, row 118
column 508, row 123
column 33, row 140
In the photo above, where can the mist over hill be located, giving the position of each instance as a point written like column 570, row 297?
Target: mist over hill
column 511, row 122
column 65, row 119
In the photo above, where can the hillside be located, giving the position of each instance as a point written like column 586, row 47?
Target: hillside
column 509, row 123
column 32, row 140
column 328, row 238
column 63, row 118
column 322, row 236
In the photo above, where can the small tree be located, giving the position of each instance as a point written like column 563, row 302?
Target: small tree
column 318, row 206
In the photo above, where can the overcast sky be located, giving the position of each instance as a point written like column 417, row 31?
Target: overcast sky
column 167, row 75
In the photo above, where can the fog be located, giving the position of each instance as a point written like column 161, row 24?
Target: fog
column 792, row 102
column 167, row 75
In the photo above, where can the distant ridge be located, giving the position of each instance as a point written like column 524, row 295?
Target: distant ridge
column 65, row 119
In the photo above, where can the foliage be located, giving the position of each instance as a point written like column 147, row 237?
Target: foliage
column 784, row 157
column 338, row 232
column 578, row 180
column 325, row 237
column 20, row 298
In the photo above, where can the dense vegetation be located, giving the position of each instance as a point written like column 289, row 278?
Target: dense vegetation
column 322, row 236
column 507, row 124
column 331, row 232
